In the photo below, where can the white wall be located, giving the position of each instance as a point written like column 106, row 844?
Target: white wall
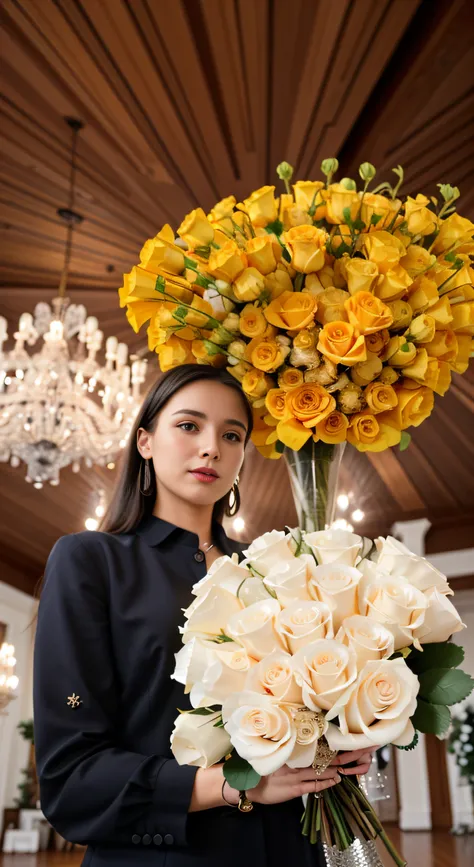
column 17, row 610
column 461, row 798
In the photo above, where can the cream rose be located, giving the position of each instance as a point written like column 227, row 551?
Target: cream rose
column 255, row 628
column 269, row 550
column 289, row 579
column 324, row 669
column 224, row 572
column 225, row 673
column 274, row 676
column 396, row 604
column 396, row 559
column 209, row 614
column 260, row 729
column 301, row 623
column 195, row 741
column 369, row 639
column 376, row 709
column 192, row 661
column 334, row 546
column 336, row 585
column 441, row 619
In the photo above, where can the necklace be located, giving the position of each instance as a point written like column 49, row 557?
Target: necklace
column 207, row 548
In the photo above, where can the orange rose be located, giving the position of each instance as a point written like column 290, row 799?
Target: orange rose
column 360, row 275
column 275, row 403
column 370, row 434
column 256, row 383
column 340, row 342
column 367, row 313
column 333, row 428
column 252, row 321
column 290, row 378
column 266, row 353
column 414, row 406
column 309, row 403
column 377, row 341
column 291, row 311
column 380, row 397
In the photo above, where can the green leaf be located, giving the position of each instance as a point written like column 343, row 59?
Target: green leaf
column 203, row 711
column 405, row 440
column 211, row 348
column 347, row 215
column 275, row 228
column 286, row 255
column 299, row 282
column 160, row 284
column 375, row 218
column 439, row 655
column 431, row 718
column 445, row 685
column 239, row 773
column 412, row 744
column 343, row 248
column 359, row 225
column 222, row 638
column 279, row 447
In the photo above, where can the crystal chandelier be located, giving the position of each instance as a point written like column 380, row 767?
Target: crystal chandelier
column 61, row 405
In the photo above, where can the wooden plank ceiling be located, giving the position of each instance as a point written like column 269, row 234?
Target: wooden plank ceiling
column 186, row 101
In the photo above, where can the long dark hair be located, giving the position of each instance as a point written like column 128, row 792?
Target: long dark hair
column 129, row 506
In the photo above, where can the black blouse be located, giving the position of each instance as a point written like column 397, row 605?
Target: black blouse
column 105, row 705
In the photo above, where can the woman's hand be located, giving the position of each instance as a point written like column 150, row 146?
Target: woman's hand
column 362, row 759
column 288, row 783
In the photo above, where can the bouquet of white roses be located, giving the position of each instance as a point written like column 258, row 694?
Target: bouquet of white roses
column 316, row 642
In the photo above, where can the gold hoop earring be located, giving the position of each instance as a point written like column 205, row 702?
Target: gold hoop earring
column 146, row 485
column 234, row 500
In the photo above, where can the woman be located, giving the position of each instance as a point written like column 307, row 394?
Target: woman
column 107, row 633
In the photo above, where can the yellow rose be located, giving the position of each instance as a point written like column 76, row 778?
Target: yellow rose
column 199, row 313
column 295, row 216
column 450, row 279
column 338, row 198
column 333, row 428
column 260, row 254
column 463, row 317
column 453, row 230
column 174, row 353
column 367, row 313
column 156, row 334
column 290, row 378
column 261, row 206
column 465, row 347
column 249, row 285
column 145, row 286
column 422, row 293
column 252, row 321
column 340, row 342
column 309, row 403
column 266, row 353
column 378, row 341
column 444, row 378
column 165, row 319
column 401, row 312
column 420, row 220
column 369, row 434
column 237, row 350
column 443, row 346
column 279, row 281
column 384, row 249
column 414, row 406
column 360, row 275
column 351, row 399
column 375, row 205
column 443, row 313
column 224, row 208
column 400, row 352
column 380, row 397
column 256, row 384
column 309, row 194
column 196, row 229
column 331, row 305
column 365, row 371
column 140, row 312
column 393, row 284
column 306, row 245
column 422, row 371
column 160, row 254
column 202, row 354
column 275, row 403
column 416, row 260
column 422, row 329
column 388, row 376
column 292, row 433
column 227, row 262
column 291, row 311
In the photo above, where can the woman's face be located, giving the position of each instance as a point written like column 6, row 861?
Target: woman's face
column 201, row 428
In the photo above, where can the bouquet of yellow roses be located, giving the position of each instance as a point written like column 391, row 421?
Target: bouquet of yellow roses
column 342, row 311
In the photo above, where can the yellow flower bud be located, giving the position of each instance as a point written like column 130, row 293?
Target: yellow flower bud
column 388, row 375
column 421, row 329
column 260, row 254
column 402, row 314
column 377, row 341
column 400, row 352
column 249, row 285
column 256, row 384
column 196, row 229
column 420, row 220
column 261, row 206
column 306, row 245
column 224, row 208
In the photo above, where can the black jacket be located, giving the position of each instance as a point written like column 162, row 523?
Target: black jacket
column 104, row 708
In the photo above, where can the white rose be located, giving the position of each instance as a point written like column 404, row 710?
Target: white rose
column 208, row 615
column 269, row 550
column 289, row 579
column 192, row 661
column 396, row 559
column 224, row 572
column 310, row 726
column 324, row 669
column 376, row 709
column 254, row 628
column 274, row 676
column 226, row 672
column 260, row 729
column 301, row 623
column 221, row 305
column 398, row 605
column 252, row 590
column 369, row 639
column 195, row 741
column 335, row 546
column 441, row 619
column 336, row 585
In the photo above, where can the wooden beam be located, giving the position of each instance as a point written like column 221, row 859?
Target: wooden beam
column 396, row 480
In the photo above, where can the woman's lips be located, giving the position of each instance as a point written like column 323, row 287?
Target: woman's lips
column 204, row 477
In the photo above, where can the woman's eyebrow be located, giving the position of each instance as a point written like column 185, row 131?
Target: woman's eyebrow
column 198, row 414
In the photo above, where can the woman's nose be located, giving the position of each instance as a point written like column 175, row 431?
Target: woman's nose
column 210, row 449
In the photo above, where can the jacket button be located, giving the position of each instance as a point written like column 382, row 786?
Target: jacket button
column 169, row 839
column 136, row 839
column 199, row 556
column 157, row 839
column 146, row 839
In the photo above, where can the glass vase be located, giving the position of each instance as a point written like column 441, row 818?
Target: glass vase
column 314, row 471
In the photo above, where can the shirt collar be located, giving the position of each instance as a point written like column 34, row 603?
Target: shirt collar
column 155, row 531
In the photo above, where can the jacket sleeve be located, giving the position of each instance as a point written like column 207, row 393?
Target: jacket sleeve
column 92, row 791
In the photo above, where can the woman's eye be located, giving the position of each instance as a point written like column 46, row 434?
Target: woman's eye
column 233, row 437
column 187, row 426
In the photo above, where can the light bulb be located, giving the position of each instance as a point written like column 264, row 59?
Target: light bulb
column 358, row 515
column 238, row 524
column 342, row 524
column 91, row 524
column 100, row 511
column 111, row 466
column 343, row 502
